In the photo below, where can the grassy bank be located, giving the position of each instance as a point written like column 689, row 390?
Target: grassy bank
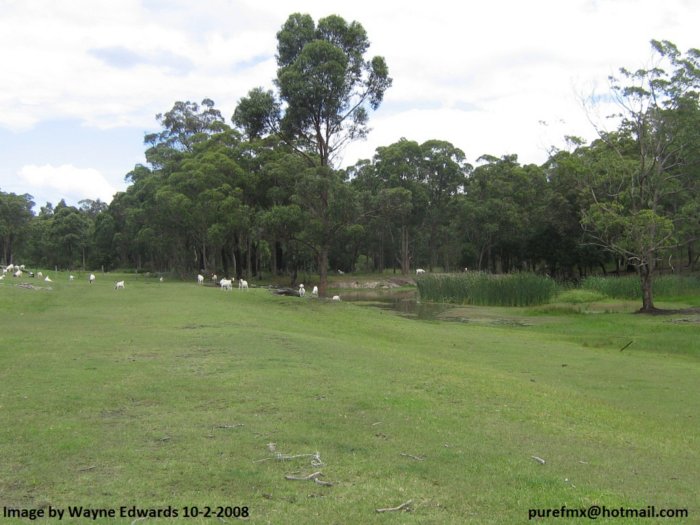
column 173, row 394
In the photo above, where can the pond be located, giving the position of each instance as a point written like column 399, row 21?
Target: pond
column 405, row 302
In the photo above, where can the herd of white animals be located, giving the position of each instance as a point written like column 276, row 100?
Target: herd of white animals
column 225, row 284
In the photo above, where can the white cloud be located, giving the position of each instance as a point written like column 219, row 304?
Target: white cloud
column 482, row 75
column 66, row 181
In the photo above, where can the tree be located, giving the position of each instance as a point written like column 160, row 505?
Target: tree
column 257, row 114
column 444, row 171
column 328, row 87
column 632, row 210
column 399, row 166
column 15, row 216
column 70, row 236
column 186, row 124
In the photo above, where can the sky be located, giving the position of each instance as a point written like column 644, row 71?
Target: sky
column 81, row 81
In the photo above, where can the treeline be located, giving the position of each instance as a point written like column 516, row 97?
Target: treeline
column 261, row 195
column 219, row 203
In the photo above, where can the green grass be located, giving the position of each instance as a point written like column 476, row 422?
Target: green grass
column 171, row 394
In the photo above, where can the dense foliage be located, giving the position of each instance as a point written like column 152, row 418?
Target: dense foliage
column 262, row 195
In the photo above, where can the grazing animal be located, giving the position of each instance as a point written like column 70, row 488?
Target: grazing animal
column 226, row 284
column 341, row 272
column 314, row 292
column 40, row 274
column 336, row 298
column 91, row 279
column 119, row 285
column 2, row 277
column 242, row 284
column 70, row 277
column 420, row 271
column 200, row 279
column 48, row 279
column 18, row 273
column 214, row 278
column 161, row 279
column 302, row 292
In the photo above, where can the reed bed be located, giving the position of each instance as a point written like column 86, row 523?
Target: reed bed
column 629, row 286
column 483, row 289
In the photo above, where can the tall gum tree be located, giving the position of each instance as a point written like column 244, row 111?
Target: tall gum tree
column 327, row 87
column 647, row 165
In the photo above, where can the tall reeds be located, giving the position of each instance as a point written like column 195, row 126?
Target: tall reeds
column 478, row 288
column 629, row 286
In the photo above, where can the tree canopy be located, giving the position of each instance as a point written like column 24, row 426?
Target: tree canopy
column 263, row 194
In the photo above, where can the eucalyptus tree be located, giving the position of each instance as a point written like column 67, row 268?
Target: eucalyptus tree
column 15, row 217
column 399, row 166
column 186, row 124
column 499, row 213
column 560, row 241
column 69, row 235
column 632, row 214
column 444, row 171
column 327, row 87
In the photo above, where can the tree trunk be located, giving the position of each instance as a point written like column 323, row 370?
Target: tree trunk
column 323, row 271
column 249, row 258
column 405, row 261
column 380, row 262
column 645, row 274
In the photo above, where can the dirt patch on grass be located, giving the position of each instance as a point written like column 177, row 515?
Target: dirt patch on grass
column 661, row 311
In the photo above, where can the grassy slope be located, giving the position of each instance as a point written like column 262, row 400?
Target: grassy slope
column 169, row 394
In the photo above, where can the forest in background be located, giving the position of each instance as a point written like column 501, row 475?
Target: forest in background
column 259, row 194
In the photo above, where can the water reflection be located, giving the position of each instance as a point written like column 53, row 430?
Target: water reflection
column 405, row 302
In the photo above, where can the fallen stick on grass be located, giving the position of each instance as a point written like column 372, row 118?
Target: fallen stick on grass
column 311, row 477
column 316, row 461
column 621, row 349
column 417, row 458
column 404, row 506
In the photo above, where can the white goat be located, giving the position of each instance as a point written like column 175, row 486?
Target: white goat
column 226, row 284
column 119, row 285
column 18, row 273
column 302, row 292
column 200, row 279
column 314, row 292
column 48, row 279
column 161, row 279
column 71, row 277
column 91, row 279
column 336, row 298
column 420, row 271
column 39, row 274
column 242, row 284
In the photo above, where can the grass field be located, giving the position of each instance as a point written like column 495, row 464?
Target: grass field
column 175, row 395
